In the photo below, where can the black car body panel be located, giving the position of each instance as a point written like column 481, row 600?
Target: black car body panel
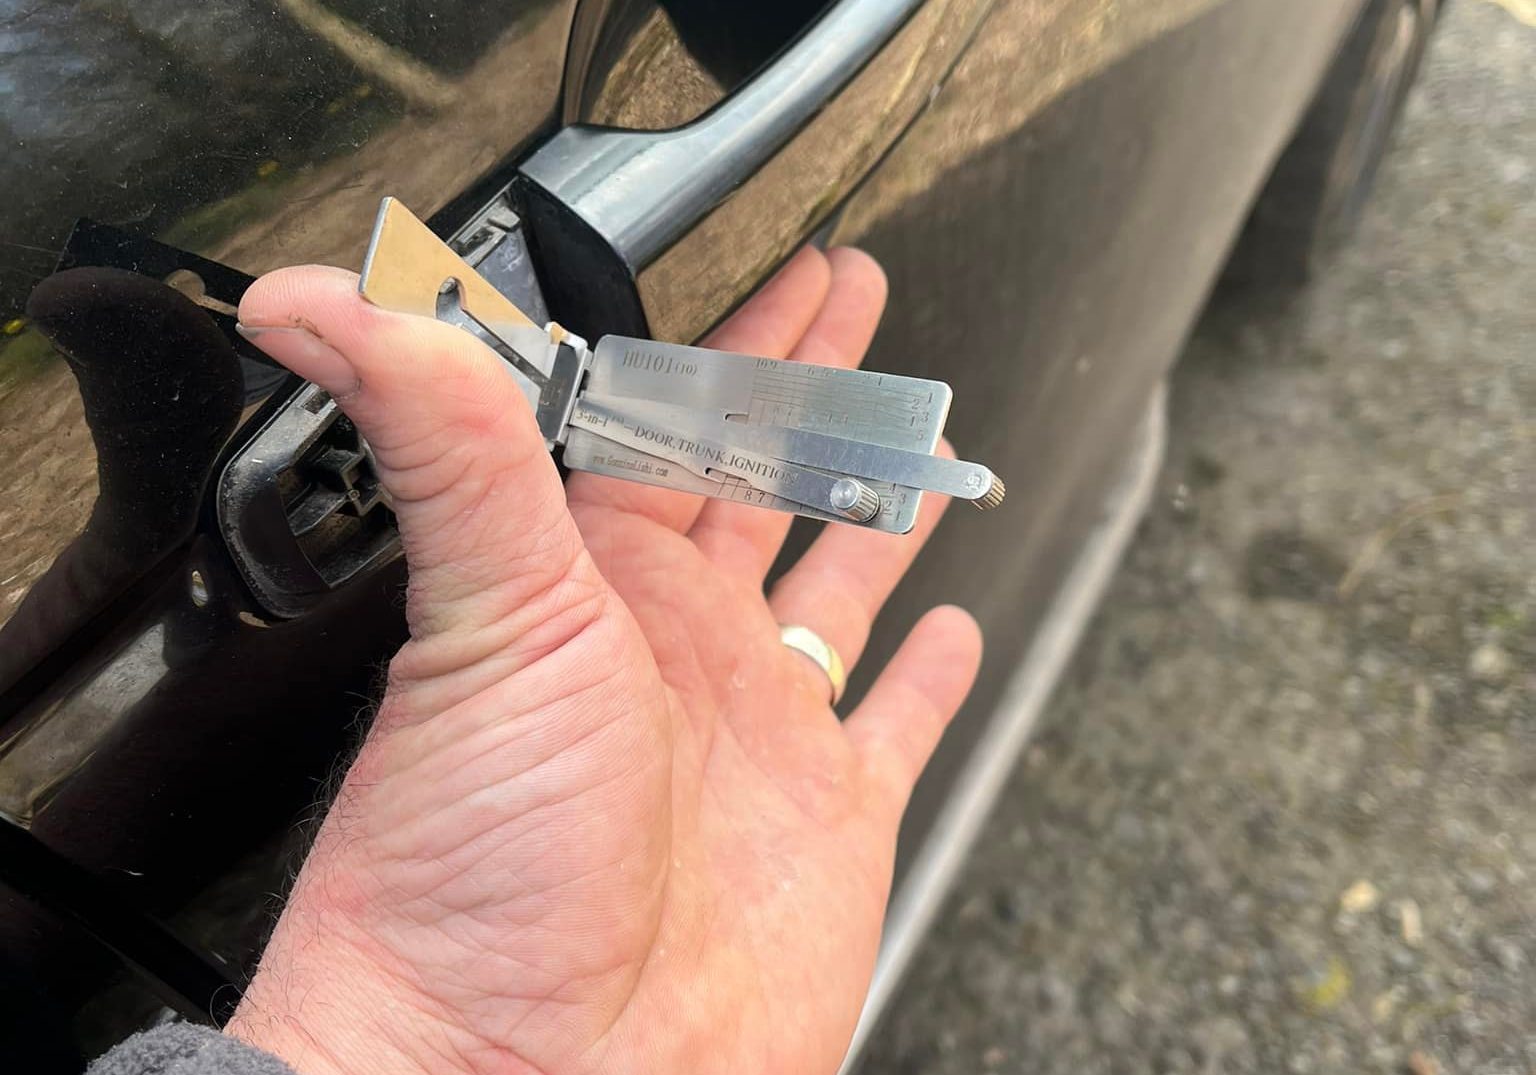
column 1051, row 185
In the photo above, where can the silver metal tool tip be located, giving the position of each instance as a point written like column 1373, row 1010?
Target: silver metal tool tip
column 993, row 496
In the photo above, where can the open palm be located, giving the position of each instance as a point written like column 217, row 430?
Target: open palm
column 604, row 820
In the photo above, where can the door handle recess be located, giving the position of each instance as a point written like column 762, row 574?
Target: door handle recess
column 661, row 232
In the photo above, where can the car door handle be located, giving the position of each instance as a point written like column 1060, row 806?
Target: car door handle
column 661, row 232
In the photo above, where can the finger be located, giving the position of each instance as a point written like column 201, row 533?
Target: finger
column 770, row 324
column 744, row 539
column 844, row 579
column 480, row 504
column 895, row 729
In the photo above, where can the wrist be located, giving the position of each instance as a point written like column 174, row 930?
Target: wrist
column 324, row 1006
column 323, row 1013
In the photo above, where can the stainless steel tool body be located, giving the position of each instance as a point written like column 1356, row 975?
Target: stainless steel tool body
column 852, row 446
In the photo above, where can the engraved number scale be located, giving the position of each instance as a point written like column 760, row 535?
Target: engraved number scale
column 850, row 446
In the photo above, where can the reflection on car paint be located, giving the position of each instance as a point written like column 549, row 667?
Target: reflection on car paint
column 255, row 136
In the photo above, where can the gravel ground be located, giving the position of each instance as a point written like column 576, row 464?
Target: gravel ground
column 1280, row 816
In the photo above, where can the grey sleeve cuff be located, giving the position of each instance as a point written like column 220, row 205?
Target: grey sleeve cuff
column 185, row 1049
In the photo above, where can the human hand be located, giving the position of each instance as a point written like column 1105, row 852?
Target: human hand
column 604, row 819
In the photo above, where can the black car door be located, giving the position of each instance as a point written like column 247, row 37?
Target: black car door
column 1051, row 185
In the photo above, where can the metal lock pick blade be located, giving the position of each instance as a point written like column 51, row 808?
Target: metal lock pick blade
column 844, row 445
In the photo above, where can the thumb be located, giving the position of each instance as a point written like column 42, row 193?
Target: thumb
column 480, row 504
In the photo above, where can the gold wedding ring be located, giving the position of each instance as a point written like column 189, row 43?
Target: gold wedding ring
column 806, row 641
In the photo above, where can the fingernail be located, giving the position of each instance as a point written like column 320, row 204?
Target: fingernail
column 305, row 354
column 251, row 332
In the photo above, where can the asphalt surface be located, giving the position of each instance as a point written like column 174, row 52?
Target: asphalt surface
column 1281, row 816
